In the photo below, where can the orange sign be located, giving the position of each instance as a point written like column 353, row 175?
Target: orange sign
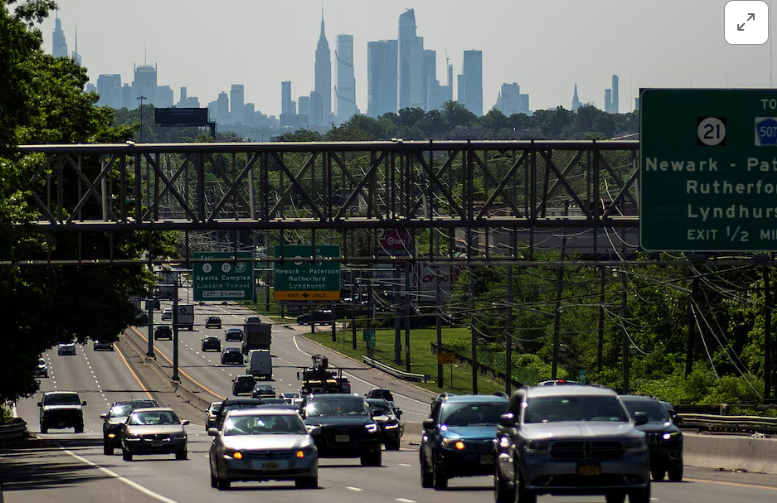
column 306, row 296
column 446, row 358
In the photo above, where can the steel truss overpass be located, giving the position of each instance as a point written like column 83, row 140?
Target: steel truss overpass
column 482, row 198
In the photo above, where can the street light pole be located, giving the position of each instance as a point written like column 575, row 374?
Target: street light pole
column 141, row 98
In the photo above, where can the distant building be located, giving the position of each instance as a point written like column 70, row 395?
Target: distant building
column 213, row 109
column 460, row 88
column 286, row 97
column 127, row 97
column 59, row 44
column 411, row 88
column 511, row 101
column 608, row 101
column 222, row 108
column 237, row 98
column 249, row 111
column 91, row 88
column 144, row 84
column 75, row 56
column 109, row 90
column 345, row 82
column 303, row 105
column 321, row 107
column 636, row 104
column 575, row 100
column 381, row 77
column 472, row 73
column 614, row 103
column 187, row 101
column 163, row 97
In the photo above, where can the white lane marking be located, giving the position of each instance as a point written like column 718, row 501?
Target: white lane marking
column 55, row 387
column 115, row 475
column 403, row 500
column 281, row 380
column 354, row 489
column 294, row 338
column 403, row 464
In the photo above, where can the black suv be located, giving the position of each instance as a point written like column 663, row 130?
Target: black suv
column 664, row 438
column 233, row 334
column 213, row 322
column 233, row 404
column 61, row 409
column 572, row 441
column 115, row 417
column 380, row 393
column 243, row 384
column 231, row 356
column 163, row 332
column 342, row 427
column 211, row 343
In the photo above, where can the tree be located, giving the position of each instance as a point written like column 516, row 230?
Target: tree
column 409, row 117
column 494, row 120
column 42, row 101
column 433, row 124
column 300, row 135
column 457, row 114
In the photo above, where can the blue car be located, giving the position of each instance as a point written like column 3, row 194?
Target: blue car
column 458, row 438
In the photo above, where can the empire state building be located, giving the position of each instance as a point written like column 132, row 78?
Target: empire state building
column 321, row 101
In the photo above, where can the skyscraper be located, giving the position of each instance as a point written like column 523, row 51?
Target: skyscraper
column 59, row 44
column 163, row 97
column 322, row 108
column 222, row 108
column 614, row 103
column 510, row 99
column 411, row 90
column 431, row 84
column 381, row 77
column 237, row 99
column 345, row 87
column 303, row 105
column 144, row 84
column 575, row 100
column 75, row 56
column 109, row 89
column 608, row 101
column 286, row 97
column 473, row 81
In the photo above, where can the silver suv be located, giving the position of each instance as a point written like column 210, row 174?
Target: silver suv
column 570, row 440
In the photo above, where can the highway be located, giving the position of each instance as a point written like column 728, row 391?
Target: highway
column 63, row 466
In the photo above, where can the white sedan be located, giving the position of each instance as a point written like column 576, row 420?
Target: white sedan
column 67, row 348
column 167, row 314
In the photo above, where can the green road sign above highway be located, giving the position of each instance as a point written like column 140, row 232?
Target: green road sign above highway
column 223, row 280
column 708, row 179
column 301, row 279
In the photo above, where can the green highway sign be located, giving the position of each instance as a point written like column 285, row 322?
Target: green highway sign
column 708, row 177
column 223, row 280
column 368, row 336
column 299, row 279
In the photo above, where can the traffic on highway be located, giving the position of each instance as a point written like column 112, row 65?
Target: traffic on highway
column 297, row 427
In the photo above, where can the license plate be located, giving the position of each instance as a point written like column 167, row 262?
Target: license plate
column 588, row 470
column 156, row 443
column 342, row 438
column 486, row 459
column 269, row 466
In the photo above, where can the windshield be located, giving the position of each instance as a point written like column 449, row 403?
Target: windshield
column 472, row 414
column 581, row 408
column 379, row 409
column 62, row 400
column 235, row 406
column 265, row 424
column 654, row 410
column 120, row 411
column 154, row 417
column 336, row 408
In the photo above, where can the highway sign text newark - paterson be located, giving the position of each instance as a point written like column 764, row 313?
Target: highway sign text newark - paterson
column 223, row 280
column 708, row 179
column 302, row 280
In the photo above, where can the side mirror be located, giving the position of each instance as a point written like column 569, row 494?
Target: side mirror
column 398, row 413
column 507, row 420
column 83, row 404
column 640, row 418
column 428, row 424
column 104, row 415
column 40, row 404
column 184, row 422
column 314, row 430
column 677, row 419
column 213, row 432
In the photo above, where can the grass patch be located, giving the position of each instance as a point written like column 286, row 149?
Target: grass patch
column 422, row 360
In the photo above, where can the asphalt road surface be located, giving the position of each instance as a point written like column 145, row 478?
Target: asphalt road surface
column 63, row 466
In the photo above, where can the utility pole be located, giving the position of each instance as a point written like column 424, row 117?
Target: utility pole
column 557, row 314
column 509, row 335
column 439, row 331
column 624, row 334
column 472, row 330
column 150, row 302
column 600, row 342
column 407, row 319
column 353, row 302
column 767, row 336
column 397, row 318
column 691, row 319
column 175, row 377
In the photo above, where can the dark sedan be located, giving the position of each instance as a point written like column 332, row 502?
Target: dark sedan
column 114, row 418
column 233, row 334
column 231, row 356
column 211, row 343
column 163, row 332
column 213, row 322
column 387, row 418
column 243, row 384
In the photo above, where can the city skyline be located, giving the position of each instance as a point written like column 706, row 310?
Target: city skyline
column 674, row 51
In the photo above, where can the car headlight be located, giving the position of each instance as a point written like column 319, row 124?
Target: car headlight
column 635, row 445
column 669, row 435
column 131, row 435
column 180, row 434
column 536, row 447
column 453, row 443
column 371, row 428
column 391, row 426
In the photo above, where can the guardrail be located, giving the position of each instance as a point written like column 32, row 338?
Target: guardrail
column 405, row 376
column 13, row 432
column 710, row 422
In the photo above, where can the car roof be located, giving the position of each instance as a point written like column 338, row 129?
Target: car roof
column 476, row 399
column 232, row 348
column 579, row 390
column 263, row 411
column 245, row 375
column 379, row 401
column 214, row 317
column 234, row 329
column 210, row 337
column 637, row 398
column 61, row 393
column 334, row 396
column 153, row 409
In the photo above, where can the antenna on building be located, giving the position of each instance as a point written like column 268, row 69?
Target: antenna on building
column 145, row 50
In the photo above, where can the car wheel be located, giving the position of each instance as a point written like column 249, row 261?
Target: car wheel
column 182, row 455
column 371, row 458
column 214, row 482
column 615, row 498
column 439, row 478
column 426, row 475
column 307, row 482
column 126, row 455
column 522, row 494
column 44, row 428
column 392, row 445
column 503, row 492
column 676, row 472
column 641, row 495
column 658, row 473
column 79, row 428
column 107, row 448
column 222, row 484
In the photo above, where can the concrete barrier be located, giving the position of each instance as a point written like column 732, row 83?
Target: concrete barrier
column 731, row 453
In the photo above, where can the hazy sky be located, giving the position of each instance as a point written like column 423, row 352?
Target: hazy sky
column 543, row 45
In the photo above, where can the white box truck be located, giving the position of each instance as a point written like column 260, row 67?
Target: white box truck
column 260, row 363
column 185, row 316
